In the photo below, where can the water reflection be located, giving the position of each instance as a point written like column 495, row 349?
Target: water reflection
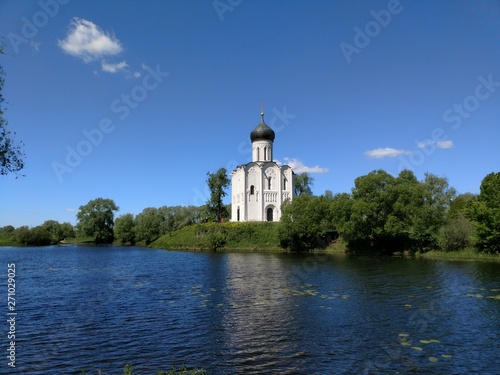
column 100, row 308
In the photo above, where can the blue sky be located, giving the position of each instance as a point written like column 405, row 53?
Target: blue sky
column 137, row 100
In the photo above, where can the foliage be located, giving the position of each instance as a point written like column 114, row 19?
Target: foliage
column 238, row 236
column 216, row 237
column 459, row 205
column 96, row 219
column 177, row 217
column 217, row 183
column 124, row 229
column 456, row 234
column 58, row 232
column 303, row 184
column 147, row 225
column 11, row 153
column 391, row 214
column 37, row 236
column 307, row 223
column 341, row 207
column 485, row 213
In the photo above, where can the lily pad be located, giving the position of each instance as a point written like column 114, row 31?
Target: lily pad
column 435, row 341
column 425, row 341
column 404, row 335
column 433, row 359
column 417, row 348
column 445, row 355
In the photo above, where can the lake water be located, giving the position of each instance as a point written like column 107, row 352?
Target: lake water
column 99, row 308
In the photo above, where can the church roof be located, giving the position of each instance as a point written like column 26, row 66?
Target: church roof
column 262, row 131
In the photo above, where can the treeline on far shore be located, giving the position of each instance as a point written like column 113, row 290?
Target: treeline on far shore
column 382, row 215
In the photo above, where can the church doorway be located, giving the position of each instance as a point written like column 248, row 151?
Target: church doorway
column 269, row 214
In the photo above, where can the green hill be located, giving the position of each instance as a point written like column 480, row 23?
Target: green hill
column 237, row 236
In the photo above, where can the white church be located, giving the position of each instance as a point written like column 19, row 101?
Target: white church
column 260, row 187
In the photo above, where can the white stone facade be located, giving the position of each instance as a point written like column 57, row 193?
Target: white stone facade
column 259, row 188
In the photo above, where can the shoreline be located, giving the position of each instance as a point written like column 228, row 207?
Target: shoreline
column 465, row 255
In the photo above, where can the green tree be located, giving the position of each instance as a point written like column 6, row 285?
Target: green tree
column 217, row 183
column 303, row 184
column 306, row 223
column 459, row 205
column 456, row 234
column 371, row 207
column 485, row 213
column 37, row 236
column 125, row 229
column 341, row 207
column 11, row 153
column 148, row 224
column 394, row 214
column 96, row 219
column 58, row 232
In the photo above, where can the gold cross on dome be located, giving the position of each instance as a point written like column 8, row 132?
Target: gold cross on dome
column 262, row 108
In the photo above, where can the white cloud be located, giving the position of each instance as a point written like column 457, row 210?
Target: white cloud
column 113, row 68
column 386, row 152
column 71, row 209
column 425, row 143
column 441, row 144
column 299, row 167
column 88, row 42
column 137, row 74
column 445, row 144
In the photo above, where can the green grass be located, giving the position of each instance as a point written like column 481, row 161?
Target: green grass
column 466, row 254
column 7, row 241
column 236, row 236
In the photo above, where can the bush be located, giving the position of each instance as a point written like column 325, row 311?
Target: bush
column 456, row 234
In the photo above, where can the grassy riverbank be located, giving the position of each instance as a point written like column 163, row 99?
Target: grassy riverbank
column 248, row 237
column 461, row 255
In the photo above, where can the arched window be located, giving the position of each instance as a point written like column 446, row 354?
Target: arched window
column 269, row 183
column 252, row 190
column 238, row 214
column 284, row 183
column 265, row 153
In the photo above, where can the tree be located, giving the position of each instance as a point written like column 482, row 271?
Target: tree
column 217, row 183
column 58, row 232
column 303, row 184
column 306, row 223
column 341, row 207
column 125, row 229
column 96, row 219
column 148, row 224
column 459, row 205
column 11, row 154
column 37, row 236
column 395, row 214
column 485, row 213
column 456, row 234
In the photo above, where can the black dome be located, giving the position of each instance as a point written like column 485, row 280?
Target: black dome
column 262, row 132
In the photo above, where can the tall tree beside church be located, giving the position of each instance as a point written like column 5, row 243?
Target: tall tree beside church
column 303, row 184
column 217, row 183
column 96, row 219
column 11, row 154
